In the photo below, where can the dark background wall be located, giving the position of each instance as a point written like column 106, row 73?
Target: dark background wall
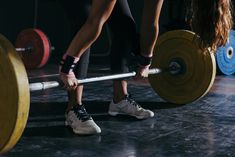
column 50, row 17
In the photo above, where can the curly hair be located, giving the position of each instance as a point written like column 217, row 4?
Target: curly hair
column 212, row 20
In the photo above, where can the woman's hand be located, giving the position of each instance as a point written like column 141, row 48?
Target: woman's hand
column 67, row 76
column 70, row 81
column 142, row 72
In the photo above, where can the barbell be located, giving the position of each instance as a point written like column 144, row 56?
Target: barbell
column 184, row 73
column 34, row 47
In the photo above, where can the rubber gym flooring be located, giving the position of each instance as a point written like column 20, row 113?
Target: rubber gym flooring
column 203, row 128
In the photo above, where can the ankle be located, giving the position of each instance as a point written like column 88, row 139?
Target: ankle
column 75, row 106
column 118, row 99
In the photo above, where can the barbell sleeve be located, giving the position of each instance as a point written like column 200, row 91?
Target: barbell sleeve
column 19, row 49
column 28, row 49
column 52, row 84
column 43, row 85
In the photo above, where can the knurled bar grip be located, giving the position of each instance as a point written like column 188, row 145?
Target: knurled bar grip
column 52, row 84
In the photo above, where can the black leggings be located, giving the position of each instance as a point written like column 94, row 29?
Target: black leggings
column 122, row 26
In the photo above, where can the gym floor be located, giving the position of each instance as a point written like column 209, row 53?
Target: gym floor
column 202, row 128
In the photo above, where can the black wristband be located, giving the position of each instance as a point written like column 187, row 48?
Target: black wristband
column 67, row 64
column 144, row 61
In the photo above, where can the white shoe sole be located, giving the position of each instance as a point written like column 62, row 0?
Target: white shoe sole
column 120, row 113
column 84, row 131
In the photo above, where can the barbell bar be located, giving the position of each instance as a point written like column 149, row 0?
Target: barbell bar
column 52, row 84
column 185, row 73
column 174, row 68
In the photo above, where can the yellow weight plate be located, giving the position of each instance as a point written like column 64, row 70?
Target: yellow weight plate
column 14, row 96
column 197, row 68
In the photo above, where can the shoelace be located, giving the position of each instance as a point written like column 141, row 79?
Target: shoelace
column 131, row 101
column 81, row 113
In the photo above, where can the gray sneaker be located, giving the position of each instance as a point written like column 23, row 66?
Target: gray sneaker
column 81, row 122
column 129, row 107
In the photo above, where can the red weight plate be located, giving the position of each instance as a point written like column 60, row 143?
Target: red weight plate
column 39, row 53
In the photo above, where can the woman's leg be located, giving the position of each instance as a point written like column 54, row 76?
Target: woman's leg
column 90, row 31
column 124, row 31
column 80, row 71
column 125, row 38
column 99, row 13
column 76, row 116
column 77, row 13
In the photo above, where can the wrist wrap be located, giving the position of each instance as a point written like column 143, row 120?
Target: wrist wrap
column 68, row 63
column 144, row 61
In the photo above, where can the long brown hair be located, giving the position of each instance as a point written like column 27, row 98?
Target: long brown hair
column 212, row 20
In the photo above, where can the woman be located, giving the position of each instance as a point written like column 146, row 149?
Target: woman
column 125, row 38
column 211, row 20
